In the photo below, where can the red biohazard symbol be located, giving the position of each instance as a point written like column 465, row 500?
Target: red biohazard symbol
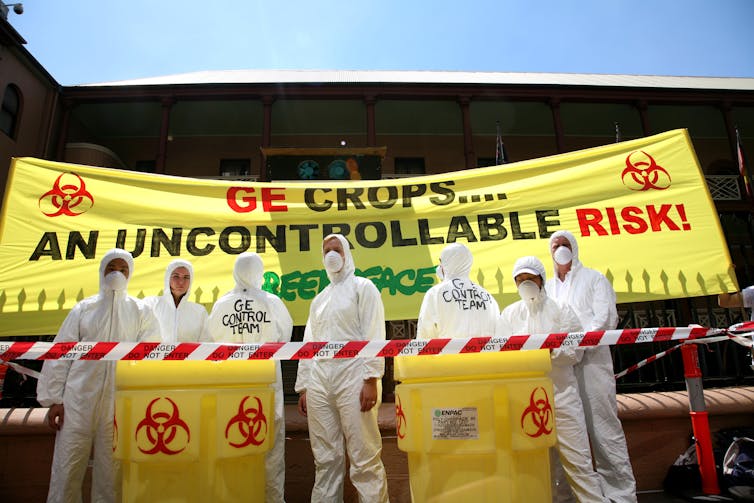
column 162, row 429
column 251, row 425
column 644, row 174
column 400, row 418
column 538, row 415
column 67, row 197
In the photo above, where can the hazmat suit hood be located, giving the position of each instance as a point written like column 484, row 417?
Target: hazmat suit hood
column 248, row 272
column 575, row 262
column 172, row 266
column 107, row 258
column 532, row 265
column 456, row 260
column 348, row 268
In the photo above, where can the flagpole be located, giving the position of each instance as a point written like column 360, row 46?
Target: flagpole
column 500, row 155
column 743, row 169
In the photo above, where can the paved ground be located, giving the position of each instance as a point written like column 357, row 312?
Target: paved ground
column 661, row 497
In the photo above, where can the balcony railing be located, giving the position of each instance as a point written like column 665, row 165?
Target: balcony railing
column 724, row 187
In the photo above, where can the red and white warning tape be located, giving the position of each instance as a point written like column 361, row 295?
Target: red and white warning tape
column 24, row 371
column 647, row 361
column 153, row 351
column 734, row 333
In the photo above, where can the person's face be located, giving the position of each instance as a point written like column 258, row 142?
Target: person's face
column 536, row 278
column 333, row 244
column 558, row 242
column 180, row 279
column 117, row 264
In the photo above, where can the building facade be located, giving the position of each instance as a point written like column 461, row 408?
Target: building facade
column 220, row 124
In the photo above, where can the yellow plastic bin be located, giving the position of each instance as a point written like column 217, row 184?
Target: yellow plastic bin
column 194, row 430
column 476, row 427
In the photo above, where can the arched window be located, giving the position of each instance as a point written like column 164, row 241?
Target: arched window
column 10, row 111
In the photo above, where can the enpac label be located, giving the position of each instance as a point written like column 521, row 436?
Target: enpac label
column 455, row 424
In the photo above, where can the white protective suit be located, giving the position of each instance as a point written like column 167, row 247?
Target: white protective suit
column 186, row 322
column 542, row 315
column 592, row 298
column 456, row 307
column 248, row 314
column 87, row 388
column 747, row 296
column 348, row 309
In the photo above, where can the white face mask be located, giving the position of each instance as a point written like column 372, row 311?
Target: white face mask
column 563, row 256
column 528, row 290
column 333, row 261
column 440, row 273
column 115, row 281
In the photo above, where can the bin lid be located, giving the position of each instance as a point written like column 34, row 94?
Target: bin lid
column 162, row 374
column 472, row 365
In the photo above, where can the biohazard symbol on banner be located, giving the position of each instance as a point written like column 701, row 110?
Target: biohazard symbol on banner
column 537, row 417
column 400, row 417
column 165, row 431
column 67, row 197
column 645, row 173
column 251, row 425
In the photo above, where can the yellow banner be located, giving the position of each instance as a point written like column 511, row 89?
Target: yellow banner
column 640, row 210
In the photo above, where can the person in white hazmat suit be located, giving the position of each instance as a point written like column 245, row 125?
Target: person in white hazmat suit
column 341, row 397
column 81, row 394
column 591, row 296
column 456, row 307
column 180, row 319
column 536, row 313
column 248, row 314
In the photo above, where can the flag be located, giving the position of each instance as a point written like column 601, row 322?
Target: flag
column 500, row 155
column 618, row 135
column 742, row 164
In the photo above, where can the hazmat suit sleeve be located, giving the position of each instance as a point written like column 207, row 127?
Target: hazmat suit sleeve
column 503, row 325
column 567, row 322
column 283, row 321
column 747, row 294
column 204, row 334
column 372, row 320
column 51, row 383
column 604, row 311
column 149, row 326
column 304, row 366
column 215, row 329
column 426, row 326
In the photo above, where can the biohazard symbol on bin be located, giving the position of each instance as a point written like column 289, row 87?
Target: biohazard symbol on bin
column 537, row 417
column 67, row 197
column 400, row 418
column 165, row 431
column 250, row 423
column 644, row 174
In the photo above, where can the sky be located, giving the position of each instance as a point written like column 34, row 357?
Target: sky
column 93, row 41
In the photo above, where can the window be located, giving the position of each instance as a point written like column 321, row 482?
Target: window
column 10, row 111
column 409, row 166
column 483, row 162
column 149, row 166
column 235, row 167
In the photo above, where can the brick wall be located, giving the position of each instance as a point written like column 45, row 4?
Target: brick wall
column 657, row 429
